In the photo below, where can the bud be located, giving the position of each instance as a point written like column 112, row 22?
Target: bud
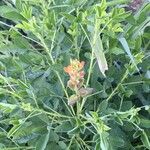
column 85, row 91
column 73, row 99
column 71, row 84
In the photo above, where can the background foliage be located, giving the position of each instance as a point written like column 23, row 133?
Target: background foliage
column 38, row 38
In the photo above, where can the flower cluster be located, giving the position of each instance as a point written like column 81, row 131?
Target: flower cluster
column 76, row 73
column 75, row 83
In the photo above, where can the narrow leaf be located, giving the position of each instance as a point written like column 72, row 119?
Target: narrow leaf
column 100, row 56
column 127, row 49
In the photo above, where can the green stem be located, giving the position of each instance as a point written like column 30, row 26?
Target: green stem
column 57, row 73
column 114, row 91
column 19, row 148
column 121, row 103
column 71, row 141
column 90, row 68
column 97, row 24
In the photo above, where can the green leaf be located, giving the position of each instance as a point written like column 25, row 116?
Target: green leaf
column 145, row 123
column 53, row 136
column 69, row 17
column 145, row 140
column 62, row 145
column 101, row 8
column 14, row 16
column 104, row 144
column 99, row 53
column 103, row 106
column 116, row 51
column 10, row 13
column 7, row 49
column 116, row 141
column 128, row 51
column 6, row 9
column 64, row 127
column 42, row 142
column 7, row 107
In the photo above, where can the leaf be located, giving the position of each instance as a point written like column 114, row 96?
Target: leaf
column 145, row 140
column 64, row 127
column 2, row 146
column 53, row 136
column 104, row 141
column 103, row 106
column 53, row 146
column 10, row 13
column 18, row 3
column 5, row 9
column 100, row 56
column 62, row 145
column 7, row 107
column 120, row 14
column 143, row 12
column 101, row 8
column 14, row 16
column 42, row 142
column 116, row 141
column 127, row 49
column 11, row 48
column 70, row 18
column 23, row 43
column 116, row 51
column 144, row 122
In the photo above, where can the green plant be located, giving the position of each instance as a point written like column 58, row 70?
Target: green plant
column 108, row 94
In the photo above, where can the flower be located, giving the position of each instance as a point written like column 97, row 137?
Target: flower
column 74, row 67
column 75, row 83
column 76, row 74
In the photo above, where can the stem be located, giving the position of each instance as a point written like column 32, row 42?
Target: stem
column 34, row 98
column 19, row 148
column 132, row 83
column 121, row 103
column 68, row 148
column 57, row 73
column 20, row 125
column 91, row 64
column 90, row 68
column 114, row 91
column 96, row 28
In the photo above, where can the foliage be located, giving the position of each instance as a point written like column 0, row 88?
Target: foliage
column 38, row 38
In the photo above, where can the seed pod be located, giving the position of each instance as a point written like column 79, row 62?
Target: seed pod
column 73, row 99
column 85, row 91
